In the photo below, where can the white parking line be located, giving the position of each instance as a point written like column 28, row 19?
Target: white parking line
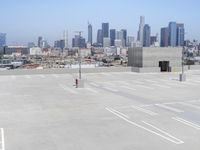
column 92, row 90
column 146, row 87
column 168, row 137
column 55, row 75
column 161, row 86
column 189, row 83
column 169, row 108
column 169, row 82
column 137, row 82
column 2, row 139
column 144, row 110
column 152, row 81
column 126, row 116
column 190, row 105
column 129, row 88
column 41, row 76
column 191, row 124
column 27, row 77
column 172, row 138
column 110, row 89
column 68, row 89
column 94, row 84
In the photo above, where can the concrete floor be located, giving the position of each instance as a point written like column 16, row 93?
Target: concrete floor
column 115, row 111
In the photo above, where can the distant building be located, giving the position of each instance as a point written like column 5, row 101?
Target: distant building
column 66, row 39
column 31, row 44
column 118, row 43
column 99, row 37
column 59, row 44
column 180, row 35
column 106, row 42
column 141, row 30
column 153, row 39
column 105, row 30
column 2, row 39
column 90, row 33
column 155, row 59
column 146, row 36
column 22, row 50
column 172, row 34
column 78, row 41
column 124, row 32
column 120, row 36
column 164, row 42
column 36, row 51
column 130, row 41
column 40, row 41
column 112, row 37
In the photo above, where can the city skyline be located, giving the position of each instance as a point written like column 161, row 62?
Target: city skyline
column 28, row 20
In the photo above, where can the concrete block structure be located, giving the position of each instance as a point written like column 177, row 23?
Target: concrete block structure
column 155, row 59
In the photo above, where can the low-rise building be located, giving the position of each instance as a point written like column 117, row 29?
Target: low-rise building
column 155, row 59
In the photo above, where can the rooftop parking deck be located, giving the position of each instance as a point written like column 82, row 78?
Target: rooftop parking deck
column 115, row 111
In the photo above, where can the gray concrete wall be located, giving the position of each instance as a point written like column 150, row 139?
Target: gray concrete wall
column 63, row 71
column 152, row 56
column 146, row 69
column 135, row 57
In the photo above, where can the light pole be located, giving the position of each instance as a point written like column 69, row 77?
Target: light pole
column 80, row 81
column 79, row 54
column 182, row 76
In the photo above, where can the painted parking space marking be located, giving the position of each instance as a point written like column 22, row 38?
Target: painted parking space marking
column 91, row 90
column 2, row 139
column 27, row 76
column 167, row 136
column 162, row 133
column 190, row 105
column 169, row 108
column 55, row 75
column 110, row 89
column 144, row 111
column 128, row 88
column 188, row 123
column 161, row 86
column 146, row 87
column 94, row 84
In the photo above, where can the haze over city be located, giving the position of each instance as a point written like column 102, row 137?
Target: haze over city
column 24, row 21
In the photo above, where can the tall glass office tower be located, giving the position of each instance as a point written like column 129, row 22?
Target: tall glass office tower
column 146, row 36
column 2, row 39
column 180, row 34
column 89, row 33
column 112, row 37
column 172, row 34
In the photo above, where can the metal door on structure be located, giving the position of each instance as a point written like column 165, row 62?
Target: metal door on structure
column 164, row 66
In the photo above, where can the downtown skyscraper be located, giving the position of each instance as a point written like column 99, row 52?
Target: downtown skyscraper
column 141, row 30
column 180, row 34
column 112, row 37
column 90, row 33
column 173, row 35
column 105, row 31
column 147, row 36
column 164, row 37
column 2, row 39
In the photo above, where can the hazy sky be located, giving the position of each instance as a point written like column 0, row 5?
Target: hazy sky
column 25, row 20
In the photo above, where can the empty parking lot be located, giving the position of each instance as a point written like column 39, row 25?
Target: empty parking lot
column 115, row 111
